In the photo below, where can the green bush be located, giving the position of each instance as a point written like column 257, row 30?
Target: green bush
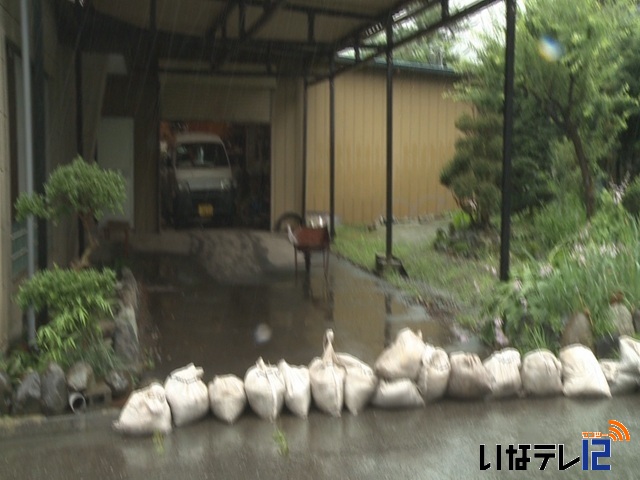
column 19, row 362
column 602, row 259
column 74, row 300
column 557, row 222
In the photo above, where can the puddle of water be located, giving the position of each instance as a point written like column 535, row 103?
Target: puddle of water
column 215, row 325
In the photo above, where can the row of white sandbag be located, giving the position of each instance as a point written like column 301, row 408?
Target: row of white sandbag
column 577, row 373
column 407, row 373
column 504, row 373
column 185, row 398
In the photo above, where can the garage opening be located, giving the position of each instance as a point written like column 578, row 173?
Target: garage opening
column 214, row 174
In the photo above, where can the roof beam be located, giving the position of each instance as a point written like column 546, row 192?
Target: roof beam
column 269, row 11
column 326, row 11
column 221, row 20
column 355, row 37
column 446, row 19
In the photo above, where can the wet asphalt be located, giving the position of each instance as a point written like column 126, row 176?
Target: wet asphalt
column 223, row 299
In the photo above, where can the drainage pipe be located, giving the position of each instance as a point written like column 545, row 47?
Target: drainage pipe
column 77, row 402
column 26, row 80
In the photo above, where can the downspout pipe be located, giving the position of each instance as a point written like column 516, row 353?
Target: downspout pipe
column 28, row 125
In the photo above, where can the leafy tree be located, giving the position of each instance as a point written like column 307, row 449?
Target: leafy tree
column 474, row 173
column 569, row 60
column 80, row 189
column 569, row 83
column 627, row 162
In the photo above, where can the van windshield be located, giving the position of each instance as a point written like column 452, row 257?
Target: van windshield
column 198, row 154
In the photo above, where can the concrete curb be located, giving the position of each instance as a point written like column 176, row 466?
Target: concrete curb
column 12, row 427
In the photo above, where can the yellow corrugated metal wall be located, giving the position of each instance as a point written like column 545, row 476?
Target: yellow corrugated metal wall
column 286, row 148
column 424, row 141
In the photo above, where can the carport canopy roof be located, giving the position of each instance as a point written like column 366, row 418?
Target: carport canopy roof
column 255, row 37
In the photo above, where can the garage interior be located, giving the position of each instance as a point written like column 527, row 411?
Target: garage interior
column 247, row 62
column 249, row 149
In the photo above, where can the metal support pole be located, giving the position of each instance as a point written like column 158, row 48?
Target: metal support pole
column 26, row 79
column 305, row 114
column 39, row 122
column 507, row 139
column 332, row 152
column 389, row 32
column 79, row 108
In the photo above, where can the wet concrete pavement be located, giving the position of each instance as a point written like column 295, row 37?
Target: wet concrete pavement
column 441, row 441
column 209, row 294
column 222, row 299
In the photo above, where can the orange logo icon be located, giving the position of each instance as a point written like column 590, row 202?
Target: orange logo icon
column 618, row 432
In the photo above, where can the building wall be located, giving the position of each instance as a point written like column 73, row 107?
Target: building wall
column 209, row 98
column 136, row 96
column 6, row 22
column 59, row 145
column 424, row 140
column 60, row 131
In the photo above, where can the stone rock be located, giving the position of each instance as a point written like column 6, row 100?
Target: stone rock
column 128, row 289
column 6, row 392
column 80, row 377
column 27, row 397
column 126, row 316
column 54, row 392
column 125, row 344
column 118, row 382
column 636, row 320
column 620, row 317
column 577, row 330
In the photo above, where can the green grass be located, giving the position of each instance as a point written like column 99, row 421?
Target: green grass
column 447, row 285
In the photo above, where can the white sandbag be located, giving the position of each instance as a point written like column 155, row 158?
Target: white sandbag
column 297, row 393
column 327, row 379
column 359, row 384
column 629, row 354
column 265, row 389
column 401, row 393
column 581, row 373
column 541, row 373
column 146, row 412
column 469, row 378
column 187, row 395
column 227, row 397
column 504, row 368
column 434, row 373
column 402, row 359
column 620, row 382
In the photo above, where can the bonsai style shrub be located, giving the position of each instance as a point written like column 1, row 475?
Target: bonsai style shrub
column 75, row 298
column 81, row 189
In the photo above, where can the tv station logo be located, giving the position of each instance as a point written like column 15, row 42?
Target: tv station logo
column 596, row 449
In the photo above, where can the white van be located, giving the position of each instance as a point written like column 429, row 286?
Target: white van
column 199, row 179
